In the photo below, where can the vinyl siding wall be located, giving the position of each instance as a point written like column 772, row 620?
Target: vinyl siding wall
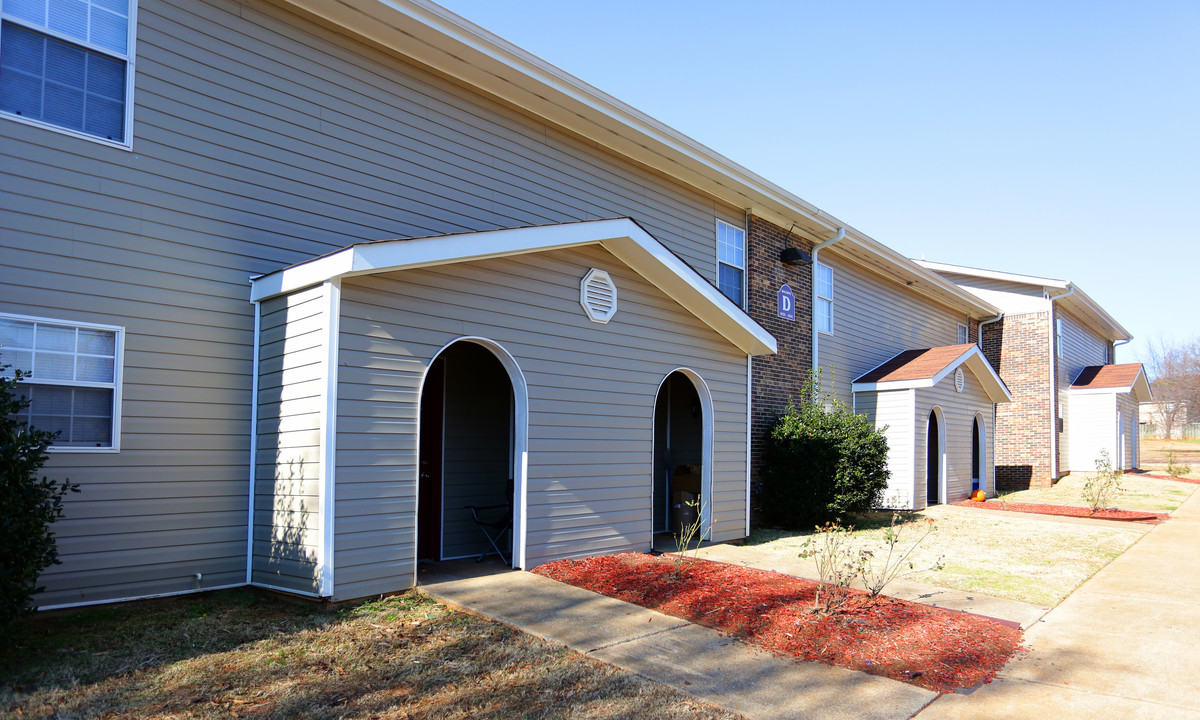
column 1093, row 430
column 1012, row 298
column 896, row 409
column 1127, row 405
column 591, row 388
column 1080, row 348
column 260, row 139
column 291, row 395
column 958, row 414
column 873, row 320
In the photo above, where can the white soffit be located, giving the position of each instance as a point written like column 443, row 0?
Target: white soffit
column 974, row 361
column 624, row 238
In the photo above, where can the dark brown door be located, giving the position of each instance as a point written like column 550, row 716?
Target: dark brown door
column 429, row 488
column 933, row 462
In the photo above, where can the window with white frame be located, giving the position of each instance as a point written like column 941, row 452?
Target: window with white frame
column 72, row 378
column 731, row 261
column 1058, row 336
column 962, row 334
column 68, row 64
column 824, row 298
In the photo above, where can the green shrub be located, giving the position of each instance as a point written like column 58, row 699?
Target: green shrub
column 821, row 463
column 28, row 505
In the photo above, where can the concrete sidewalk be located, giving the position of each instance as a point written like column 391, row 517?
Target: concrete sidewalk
column 701, row 662
column 1126, row 644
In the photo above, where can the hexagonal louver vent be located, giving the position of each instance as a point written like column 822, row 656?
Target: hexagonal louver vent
column 598, row 296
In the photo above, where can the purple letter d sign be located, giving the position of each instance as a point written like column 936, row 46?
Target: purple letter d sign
column 787, row 303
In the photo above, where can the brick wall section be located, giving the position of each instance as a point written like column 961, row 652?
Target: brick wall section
column 1016, row 346
column 780, row 377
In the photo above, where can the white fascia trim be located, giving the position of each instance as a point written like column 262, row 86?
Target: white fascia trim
column 1080, row 298
column 622, row 237
column 993, row 275
column 974, row 360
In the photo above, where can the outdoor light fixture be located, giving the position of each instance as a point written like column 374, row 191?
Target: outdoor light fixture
column 791, row 255
column 794, row 256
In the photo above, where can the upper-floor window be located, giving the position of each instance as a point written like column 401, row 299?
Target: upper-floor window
column 731, row 261
column 1058, row 336
column 68, row 64
column 824, row 298
column 963, row 334
column 74, row 378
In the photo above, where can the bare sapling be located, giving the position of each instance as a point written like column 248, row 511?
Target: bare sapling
column 837, row 565
column 688, row 538
column 880, row 568
column 1101, row 489
column 1176, row 469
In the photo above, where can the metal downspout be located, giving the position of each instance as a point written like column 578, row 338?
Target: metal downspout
column 841, row 233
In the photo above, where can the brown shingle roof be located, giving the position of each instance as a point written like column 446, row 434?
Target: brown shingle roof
column 1107, row 376
column 916, row 364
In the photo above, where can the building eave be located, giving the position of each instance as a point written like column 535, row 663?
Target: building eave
column 622, row 237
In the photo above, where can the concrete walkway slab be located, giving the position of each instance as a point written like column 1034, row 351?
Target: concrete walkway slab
column 1126, row 644
column 702, row 662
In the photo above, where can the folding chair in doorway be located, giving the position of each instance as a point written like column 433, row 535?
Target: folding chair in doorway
column 495, row 521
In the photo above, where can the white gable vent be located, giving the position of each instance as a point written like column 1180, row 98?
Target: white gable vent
column 598, row 296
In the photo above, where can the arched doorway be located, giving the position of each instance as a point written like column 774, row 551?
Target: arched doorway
column 682, row 453
column 472, row 439
column 934, row 444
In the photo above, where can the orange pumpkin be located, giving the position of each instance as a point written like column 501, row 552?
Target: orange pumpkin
column 978, row 496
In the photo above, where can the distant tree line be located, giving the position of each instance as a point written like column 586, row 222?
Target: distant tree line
column 1175, row 372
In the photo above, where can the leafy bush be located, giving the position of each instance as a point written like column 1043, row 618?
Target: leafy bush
column 28, row 505
column 822, row 463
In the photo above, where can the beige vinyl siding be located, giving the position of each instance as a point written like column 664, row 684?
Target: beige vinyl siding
column 1127, row 405
column 874, row 319
column 958, row 414
column 291, row 394
column 1081, row 347
column 1013, row 298
column 894, row 409
column 1093, row 428
column 591, row 399
column 260, row 139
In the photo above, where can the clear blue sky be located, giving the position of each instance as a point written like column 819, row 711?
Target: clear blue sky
column 1059, row 139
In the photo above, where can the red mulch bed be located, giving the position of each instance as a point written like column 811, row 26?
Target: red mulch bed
column 1069, row 511
column 931, row 647
column 1169, row 477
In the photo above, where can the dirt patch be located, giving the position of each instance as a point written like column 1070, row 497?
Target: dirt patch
column 926, row 646
column 1068, row 511
column 244, row 654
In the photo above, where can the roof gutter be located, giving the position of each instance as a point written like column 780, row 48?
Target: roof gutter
column 1054, row 385
column 841, row 233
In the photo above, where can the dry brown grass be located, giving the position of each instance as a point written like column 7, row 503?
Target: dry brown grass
column 1154, row 455
column 247, row 654
column 1137, row 493
column 1019, row 557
